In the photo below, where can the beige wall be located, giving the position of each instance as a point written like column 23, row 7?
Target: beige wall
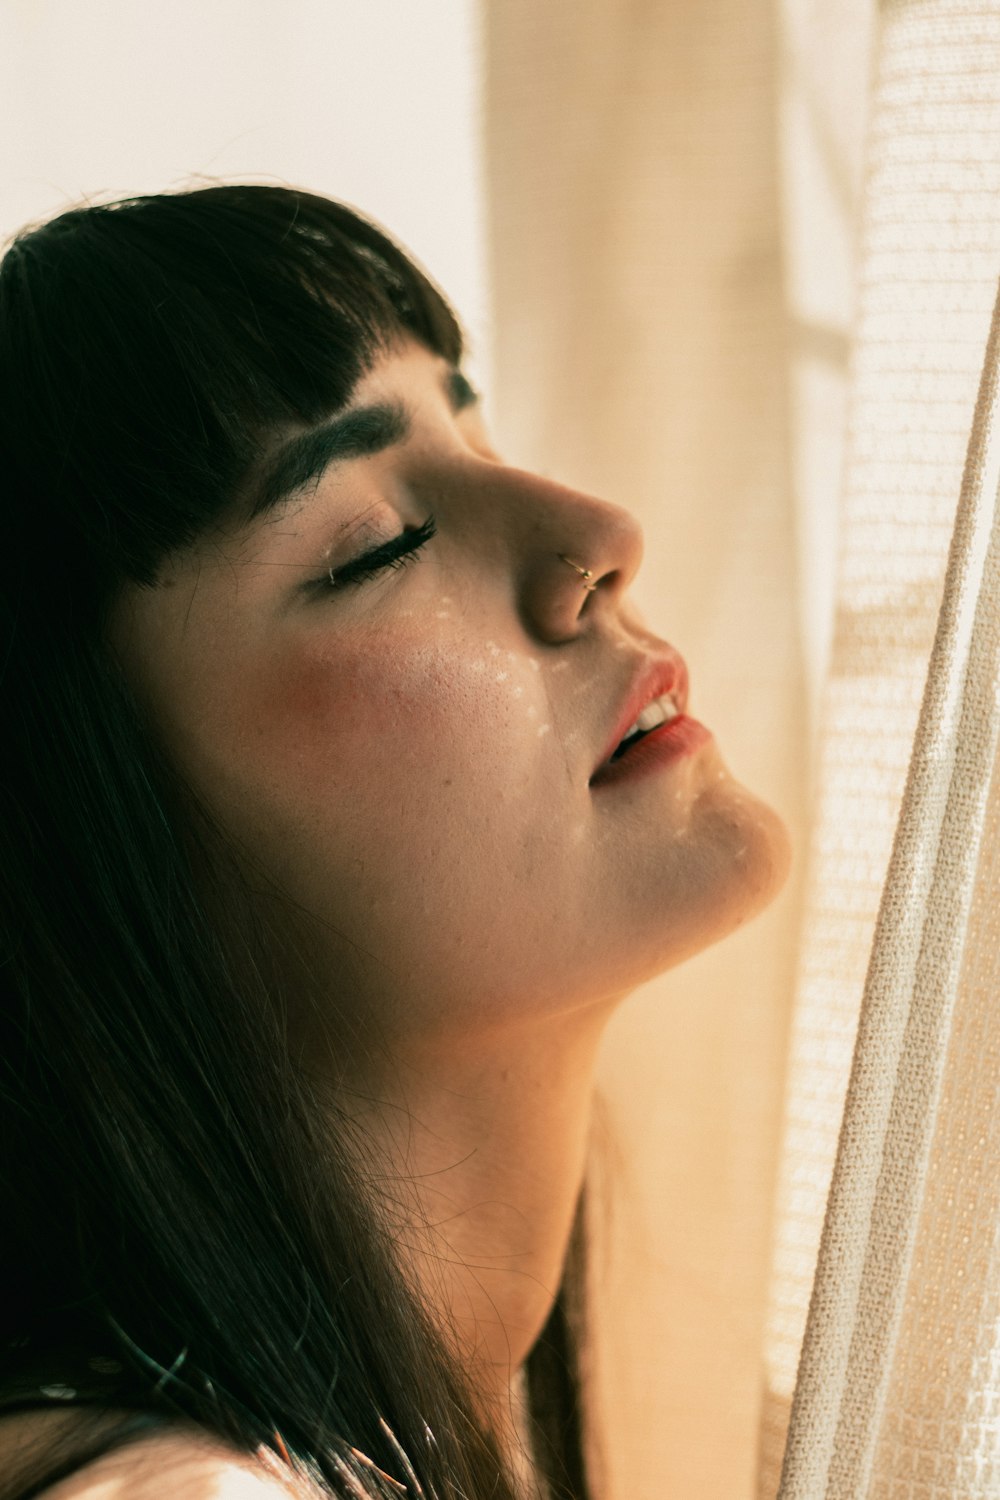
column 372, row 102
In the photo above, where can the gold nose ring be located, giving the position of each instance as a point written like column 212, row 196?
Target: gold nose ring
column 585, row 573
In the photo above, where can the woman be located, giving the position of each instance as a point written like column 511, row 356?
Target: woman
column 342, row 813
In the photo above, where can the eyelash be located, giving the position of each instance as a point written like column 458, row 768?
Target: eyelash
column 397, row 553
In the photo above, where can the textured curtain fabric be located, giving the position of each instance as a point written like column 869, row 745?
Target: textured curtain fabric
column 898, row 1389
column 744, row 263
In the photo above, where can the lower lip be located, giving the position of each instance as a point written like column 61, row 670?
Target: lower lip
column 679, row 736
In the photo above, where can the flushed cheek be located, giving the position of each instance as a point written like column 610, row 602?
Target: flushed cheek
column 413, row 768
column 319, row 714
column 347, row 719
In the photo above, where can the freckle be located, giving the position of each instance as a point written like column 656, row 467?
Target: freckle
column 543, row 729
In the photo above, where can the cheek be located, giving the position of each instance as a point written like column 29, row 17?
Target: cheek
column 379, row 715
column 390, row 775
column 317, row 710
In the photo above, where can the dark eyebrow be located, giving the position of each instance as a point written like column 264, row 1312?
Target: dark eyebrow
column 355, row 433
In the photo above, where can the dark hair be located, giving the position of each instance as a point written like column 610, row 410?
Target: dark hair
column 184, row 1228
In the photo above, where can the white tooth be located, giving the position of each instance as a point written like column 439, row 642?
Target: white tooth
column 657, row 712
column 652, row 715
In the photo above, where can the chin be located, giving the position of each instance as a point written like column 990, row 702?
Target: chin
column 747, row 859
column 743, row 863
column 762, row 857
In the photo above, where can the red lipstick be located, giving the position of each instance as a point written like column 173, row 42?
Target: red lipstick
column 677, row 737
column 665, row 673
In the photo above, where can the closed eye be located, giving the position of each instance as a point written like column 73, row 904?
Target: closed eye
column 397, row 553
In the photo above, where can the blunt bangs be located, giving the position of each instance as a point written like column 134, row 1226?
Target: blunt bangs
column 151, row 346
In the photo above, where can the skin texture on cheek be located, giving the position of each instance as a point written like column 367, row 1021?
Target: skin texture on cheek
column 396, row 786
column 376, row 715
column 400, row 775
column 417, row 780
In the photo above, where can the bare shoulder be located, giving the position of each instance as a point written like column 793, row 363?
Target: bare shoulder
column 180, row 1460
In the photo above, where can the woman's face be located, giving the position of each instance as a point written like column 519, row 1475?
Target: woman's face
column 409, row 756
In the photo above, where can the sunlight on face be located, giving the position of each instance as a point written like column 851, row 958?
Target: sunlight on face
column 406, row 749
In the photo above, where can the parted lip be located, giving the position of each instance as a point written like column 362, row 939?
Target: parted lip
column 666, row 672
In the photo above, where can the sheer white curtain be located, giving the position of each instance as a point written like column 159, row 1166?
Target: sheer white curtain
column 745, row 257
column 898, row 1389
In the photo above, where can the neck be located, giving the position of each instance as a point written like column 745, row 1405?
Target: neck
column 486, row 1145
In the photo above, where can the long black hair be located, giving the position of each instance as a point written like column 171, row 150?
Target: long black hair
column 184, row 1227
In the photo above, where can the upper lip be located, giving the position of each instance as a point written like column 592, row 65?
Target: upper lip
column 666, row 672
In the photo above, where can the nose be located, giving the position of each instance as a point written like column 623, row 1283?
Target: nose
column 571, row 534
